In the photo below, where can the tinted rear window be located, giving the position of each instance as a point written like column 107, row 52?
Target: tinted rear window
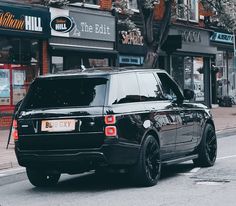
column 46, row 93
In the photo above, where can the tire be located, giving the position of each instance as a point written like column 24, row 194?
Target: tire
column 207, row 150
column 42, row 179
column 147, row 170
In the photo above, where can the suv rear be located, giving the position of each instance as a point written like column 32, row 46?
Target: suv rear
column 80, row 121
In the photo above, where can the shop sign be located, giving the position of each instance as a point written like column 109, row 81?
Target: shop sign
column 190, row 36
column 62, row 24
column 100, row 27
column 131, row 37
column 222, row 37
column 22, row 20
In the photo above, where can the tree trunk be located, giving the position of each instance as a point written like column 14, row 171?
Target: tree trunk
column 154, row 42
column 151, row 59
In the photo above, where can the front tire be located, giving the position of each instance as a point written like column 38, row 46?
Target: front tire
column 42, row 179
column 147, row 170
column 207, row 150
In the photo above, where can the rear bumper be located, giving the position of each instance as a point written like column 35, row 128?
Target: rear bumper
column 117, row 154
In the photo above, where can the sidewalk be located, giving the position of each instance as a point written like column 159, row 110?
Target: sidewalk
column 224, row 117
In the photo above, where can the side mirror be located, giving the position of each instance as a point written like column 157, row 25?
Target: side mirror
column 188, row 94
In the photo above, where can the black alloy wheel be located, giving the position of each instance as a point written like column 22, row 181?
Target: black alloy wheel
column 148, row 168
column 207, row 150
column 41, row 178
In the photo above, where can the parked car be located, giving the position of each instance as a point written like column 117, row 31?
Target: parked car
column 133, row 119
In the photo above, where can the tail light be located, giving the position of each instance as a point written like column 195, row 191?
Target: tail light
column 14, row 130
column 110, row 119
column 110, row 130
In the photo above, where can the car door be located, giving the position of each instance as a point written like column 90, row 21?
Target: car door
column 159, row 110
column 184, row 116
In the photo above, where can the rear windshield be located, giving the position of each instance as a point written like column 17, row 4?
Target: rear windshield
column 51, row 93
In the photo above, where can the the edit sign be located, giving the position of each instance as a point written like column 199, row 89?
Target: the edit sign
column 82, row 25
column 62, row 24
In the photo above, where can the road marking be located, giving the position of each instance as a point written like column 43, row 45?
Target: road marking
column 226, row 157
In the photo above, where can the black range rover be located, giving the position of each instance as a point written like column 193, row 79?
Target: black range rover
column 134, row 119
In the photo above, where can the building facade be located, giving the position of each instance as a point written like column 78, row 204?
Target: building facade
column 190, row 66
column 23, row 36
column 81, row 38
column 224, row 82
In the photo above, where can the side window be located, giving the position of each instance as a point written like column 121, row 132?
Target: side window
column 149, row 87
column 170, row 89
column 124, row 89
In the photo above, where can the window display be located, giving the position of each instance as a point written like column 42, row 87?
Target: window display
column 189, row 73
column 4, row 87
column 18, row 67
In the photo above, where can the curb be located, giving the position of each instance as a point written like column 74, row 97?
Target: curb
column 8, row 165
column 226, row 132
column 12, row 175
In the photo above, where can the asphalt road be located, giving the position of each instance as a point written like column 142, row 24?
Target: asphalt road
column 180, row 185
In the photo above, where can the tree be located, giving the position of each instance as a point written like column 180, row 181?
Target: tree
column 222, row 14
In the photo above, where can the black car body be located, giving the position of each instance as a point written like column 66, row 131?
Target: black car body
column 137, row 119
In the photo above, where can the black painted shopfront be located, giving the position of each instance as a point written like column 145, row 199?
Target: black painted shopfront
column 191, row 65
column 82, row 38
column 22, row 29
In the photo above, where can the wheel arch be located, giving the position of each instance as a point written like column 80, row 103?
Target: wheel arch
column 153, row 133
column 208, row 121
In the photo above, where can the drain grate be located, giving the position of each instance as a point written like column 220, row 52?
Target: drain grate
column 211, row 182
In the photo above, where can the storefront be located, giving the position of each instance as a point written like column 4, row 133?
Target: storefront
column 131, row 48
column 81, row 38
column 225, row 78
column 23, row 31
column 191, row 65
column 130, row 43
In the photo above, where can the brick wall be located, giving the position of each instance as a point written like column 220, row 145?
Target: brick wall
column 45, row 58
column 6, row 118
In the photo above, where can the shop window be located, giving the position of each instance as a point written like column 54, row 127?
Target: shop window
column 78, row 62
column 4, row 86
column 226, row 74
column 18, row 85
column 188, row 72
column 57, row 64
column 29, row 52
column 9, row 50
column 18, row 67
column 98, row 62
column 194, row 76
column 177, row 70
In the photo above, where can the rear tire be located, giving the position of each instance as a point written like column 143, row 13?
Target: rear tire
column 147, row 170
column 42, row 179
column 207, row 150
